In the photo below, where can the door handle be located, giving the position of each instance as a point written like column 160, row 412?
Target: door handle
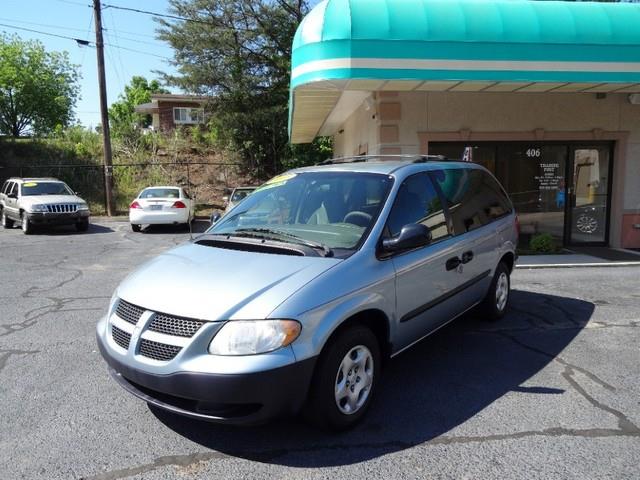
column 467, row 256
column 453, row 263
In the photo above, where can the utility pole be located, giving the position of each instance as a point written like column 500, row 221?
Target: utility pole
column 106, row 135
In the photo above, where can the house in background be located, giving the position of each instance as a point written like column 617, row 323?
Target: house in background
column 169, row 111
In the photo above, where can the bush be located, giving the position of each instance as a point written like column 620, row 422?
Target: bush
column 543, row 243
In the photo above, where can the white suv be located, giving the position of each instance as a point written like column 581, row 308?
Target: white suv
column 41, row 201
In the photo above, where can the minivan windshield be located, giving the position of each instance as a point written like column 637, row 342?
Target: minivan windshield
column 332, row 209
column 45, row 188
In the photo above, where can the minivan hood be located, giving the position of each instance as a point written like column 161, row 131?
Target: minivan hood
column 211, row 283
column 49, row 199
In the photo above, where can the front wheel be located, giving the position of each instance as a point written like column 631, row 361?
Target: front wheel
column 6, row 221
column 135, row 228
column 27, row 226
column 495, row 303
column 345, row 380
column 82, row 226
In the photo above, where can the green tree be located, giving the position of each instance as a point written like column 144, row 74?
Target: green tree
column 123, row 118
column 239, row 53
column 38, row 89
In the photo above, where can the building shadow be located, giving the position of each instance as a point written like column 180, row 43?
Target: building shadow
column 424, row 393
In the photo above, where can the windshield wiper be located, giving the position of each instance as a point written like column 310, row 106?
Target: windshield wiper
column 279, row 235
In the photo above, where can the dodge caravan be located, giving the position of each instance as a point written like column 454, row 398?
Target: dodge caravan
column 294, row 300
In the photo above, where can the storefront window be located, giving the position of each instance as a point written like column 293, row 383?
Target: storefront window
column 534, row 177
column 561, row 189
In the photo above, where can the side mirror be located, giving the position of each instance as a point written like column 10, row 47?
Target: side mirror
column 413, row 235
column 215, row 217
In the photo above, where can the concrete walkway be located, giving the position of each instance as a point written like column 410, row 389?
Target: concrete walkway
column 570, row 260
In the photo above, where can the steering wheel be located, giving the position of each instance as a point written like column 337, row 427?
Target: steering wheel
column 362, row 219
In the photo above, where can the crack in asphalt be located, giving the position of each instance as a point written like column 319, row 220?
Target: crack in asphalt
column 560, row 360
column 187, row 460
column 32, row 316
column 626, row 426
column 6, row 354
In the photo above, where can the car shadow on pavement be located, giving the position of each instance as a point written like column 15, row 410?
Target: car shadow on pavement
column 424, row 393
column 197, row 226
column 71, row 230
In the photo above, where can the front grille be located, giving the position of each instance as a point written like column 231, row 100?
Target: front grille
column 63, row 208
column 177, row 326
column 129, row 312
column 121, row 337
column 158, row 351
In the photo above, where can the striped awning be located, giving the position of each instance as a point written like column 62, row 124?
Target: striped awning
column 346, row 47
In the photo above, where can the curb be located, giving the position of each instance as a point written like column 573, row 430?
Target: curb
column 579, row 265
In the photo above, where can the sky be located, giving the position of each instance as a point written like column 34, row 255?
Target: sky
column 124, row 31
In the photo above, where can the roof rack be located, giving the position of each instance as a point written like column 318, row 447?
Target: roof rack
column 367, row 158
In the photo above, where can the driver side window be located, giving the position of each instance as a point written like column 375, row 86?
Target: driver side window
column 418, row 202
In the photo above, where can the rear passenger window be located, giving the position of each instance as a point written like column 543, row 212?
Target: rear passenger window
column 474, row 197
column 418, row 202
column 4, row 187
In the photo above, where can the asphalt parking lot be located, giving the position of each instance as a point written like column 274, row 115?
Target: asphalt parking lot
column 552, row 391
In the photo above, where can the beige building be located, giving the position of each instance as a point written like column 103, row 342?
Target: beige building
column 551, row 108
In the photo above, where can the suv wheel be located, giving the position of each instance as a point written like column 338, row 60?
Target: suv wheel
column 495, row 303
column 27, row 227
column 345, row 380
column 82, row 226
column 135, row 228
column 6, row 221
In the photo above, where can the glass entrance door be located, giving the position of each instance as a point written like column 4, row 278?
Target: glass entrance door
column 588, row 195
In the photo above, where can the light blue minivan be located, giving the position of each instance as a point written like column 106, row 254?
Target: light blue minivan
column 295, row 299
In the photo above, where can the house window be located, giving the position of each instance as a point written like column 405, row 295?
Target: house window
column 188, row 115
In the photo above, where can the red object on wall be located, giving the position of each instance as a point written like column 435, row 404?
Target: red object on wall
column 631, row 230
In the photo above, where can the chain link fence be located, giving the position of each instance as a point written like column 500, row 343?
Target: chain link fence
column 206, row 181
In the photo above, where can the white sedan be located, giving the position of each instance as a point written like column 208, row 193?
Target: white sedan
column 161, row 206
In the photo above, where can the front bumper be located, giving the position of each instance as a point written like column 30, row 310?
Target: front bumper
column 240, row 399
column 58, row 218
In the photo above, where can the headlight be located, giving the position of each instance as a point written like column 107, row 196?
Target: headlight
column 38, row 208
column 83, row 206
column 242, row 337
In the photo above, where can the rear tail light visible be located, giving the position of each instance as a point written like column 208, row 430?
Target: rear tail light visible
column 135, row 204
column 178, row 204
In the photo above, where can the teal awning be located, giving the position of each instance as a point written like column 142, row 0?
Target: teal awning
column 500, row 45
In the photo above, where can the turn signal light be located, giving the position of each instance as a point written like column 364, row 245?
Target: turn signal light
column 179, row 204
column 135, row 205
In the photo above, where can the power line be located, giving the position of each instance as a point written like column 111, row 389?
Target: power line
column 79, row 41
column 155, row 14
column 59, row 27
column 85, row 43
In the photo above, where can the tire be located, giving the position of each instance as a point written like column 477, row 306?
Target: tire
column 6, row 221
column 330, row 410
column 495, row 304
column 82, row 226
column 27, row 226
column 135, row 228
